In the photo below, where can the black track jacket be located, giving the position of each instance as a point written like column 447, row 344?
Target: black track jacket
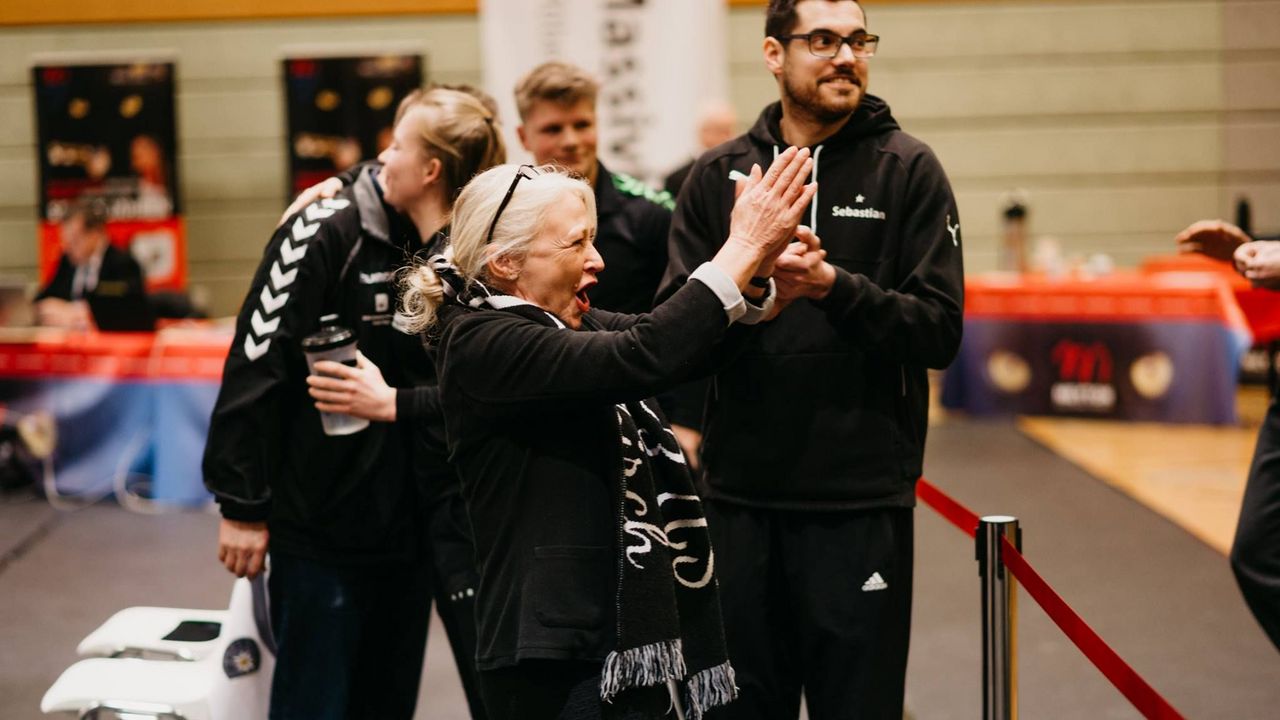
column 827, row 407
column 633, row 222
column 343, row 499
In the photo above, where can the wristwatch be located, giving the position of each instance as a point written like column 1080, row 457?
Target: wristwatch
column 760, row 283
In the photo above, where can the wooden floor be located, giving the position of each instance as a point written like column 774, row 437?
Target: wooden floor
column 1193, row 475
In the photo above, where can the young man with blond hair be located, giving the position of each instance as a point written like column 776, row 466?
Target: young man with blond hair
column 557, row 106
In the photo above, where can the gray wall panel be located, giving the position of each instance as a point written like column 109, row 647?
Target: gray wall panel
column 1124, row 120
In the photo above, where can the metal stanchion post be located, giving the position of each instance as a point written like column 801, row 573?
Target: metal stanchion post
column 999, row 619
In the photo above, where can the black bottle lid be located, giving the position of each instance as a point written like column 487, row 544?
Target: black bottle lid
column 329, row 336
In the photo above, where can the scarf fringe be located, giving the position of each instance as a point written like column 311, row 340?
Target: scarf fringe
column 710, row 688
column 651, row 664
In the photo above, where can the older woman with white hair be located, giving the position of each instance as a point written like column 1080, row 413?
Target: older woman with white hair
column 597, row 593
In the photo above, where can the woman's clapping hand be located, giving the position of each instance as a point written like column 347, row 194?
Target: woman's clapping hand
column 771, row 204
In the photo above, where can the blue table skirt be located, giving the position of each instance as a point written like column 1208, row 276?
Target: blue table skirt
column 108, row 427
column 1180, row 372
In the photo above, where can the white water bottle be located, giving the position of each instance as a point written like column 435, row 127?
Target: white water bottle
column 338, row 344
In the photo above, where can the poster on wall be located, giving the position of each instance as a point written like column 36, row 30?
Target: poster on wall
column 108, row 131
column 341, row 109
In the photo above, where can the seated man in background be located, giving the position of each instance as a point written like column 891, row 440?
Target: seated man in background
column 1255, row 552
column 90, row 265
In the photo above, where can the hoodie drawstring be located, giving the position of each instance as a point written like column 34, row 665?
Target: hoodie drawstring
column 813, row 205
column 813, row 177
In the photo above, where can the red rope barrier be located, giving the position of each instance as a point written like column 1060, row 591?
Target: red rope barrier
column 1138, row 691
column 959, row 515
column 1126, row 679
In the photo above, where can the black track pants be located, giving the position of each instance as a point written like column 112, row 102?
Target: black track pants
column 349, row 639
column 452, row 557
column 814, row 602
column 565, row 690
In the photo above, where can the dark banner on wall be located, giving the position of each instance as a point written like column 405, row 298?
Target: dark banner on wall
column 341, row 110
column 108, row 131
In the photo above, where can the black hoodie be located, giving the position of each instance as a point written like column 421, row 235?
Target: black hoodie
column 827, row 408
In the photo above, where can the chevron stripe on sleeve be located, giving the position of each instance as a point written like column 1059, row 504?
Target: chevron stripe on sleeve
column 265, row 320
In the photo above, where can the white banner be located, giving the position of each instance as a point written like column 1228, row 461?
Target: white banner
column 658, row 63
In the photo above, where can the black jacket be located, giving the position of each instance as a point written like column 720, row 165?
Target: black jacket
column 633, row 221
column 118, row 276
column 344, row 499
column 418, row 409
column 418, row 404
column 530, row 414
column 827, row 407
column 674, row 181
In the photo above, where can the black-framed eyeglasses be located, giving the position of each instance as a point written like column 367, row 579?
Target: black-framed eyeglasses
column 524, row 171
column 826, row 44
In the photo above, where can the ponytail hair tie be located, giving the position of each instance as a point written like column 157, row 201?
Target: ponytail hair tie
column 456, row 288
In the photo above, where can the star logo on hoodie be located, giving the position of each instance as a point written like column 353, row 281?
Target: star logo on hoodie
column 860, row 198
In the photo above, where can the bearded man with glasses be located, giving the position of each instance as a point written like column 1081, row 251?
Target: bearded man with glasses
column 813, row 526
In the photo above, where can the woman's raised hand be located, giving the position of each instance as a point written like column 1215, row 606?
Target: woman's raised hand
column 324, row 189
column 770, row 205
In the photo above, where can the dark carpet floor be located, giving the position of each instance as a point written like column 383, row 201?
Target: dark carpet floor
column 1166, row 602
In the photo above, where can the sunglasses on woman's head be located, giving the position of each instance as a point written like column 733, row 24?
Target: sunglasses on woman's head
column 524, row 171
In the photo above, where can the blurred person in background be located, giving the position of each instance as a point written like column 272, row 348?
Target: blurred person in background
column 147, row 160
column 717, row 124
column 342, row 516
column 1255, row 552
column 90, row 265
column 597, row 582
column 814, row 528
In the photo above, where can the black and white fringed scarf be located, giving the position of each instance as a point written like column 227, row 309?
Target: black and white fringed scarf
column 669, row 623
